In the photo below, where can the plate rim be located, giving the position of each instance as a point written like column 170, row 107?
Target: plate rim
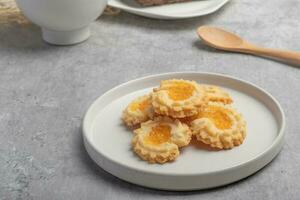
column 275, row 143
column 147, row 14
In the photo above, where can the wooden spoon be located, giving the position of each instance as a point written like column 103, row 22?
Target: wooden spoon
column 221, row 39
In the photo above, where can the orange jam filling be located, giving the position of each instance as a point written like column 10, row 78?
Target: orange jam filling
column 140, row 105
column 159, row 134
column 180, row 91
column 219, row 117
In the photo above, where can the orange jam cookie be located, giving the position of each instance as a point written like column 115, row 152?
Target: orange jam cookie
column 219, row 126
column 178, row 98
column 158, row 140
column 138, row 111
column 217, row 94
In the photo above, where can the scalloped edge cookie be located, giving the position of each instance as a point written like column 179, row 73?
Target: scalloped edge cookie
column 134, row 117
column 166, row 151
column 207, row 132
column 164, row 105
column 216, row 94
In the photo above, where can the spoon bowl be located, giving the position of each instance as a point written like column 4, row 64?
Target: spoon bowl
column 219, row 38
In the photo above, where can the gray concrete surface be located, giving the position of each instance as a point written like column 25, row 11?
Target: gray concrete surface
column 45, row 90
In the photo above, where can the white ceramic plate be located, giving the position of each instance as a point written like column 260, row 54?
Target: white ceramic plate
column 108, row 141
column 170, row 11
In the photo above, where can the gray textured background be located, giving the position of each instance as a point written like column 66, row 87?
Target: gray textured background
column 45, row 90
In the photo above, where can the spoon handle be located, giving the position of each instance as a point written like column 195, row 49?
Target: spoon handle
column 289, row 56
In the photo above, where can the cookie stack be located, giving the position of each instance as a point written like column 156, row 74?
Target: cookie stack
column 166, row 120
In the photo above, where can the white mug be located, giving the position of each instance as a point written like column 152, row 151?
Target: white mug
column 63, row 22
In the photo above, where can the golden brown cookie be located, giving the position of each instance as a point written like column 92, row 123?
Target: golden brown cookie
column 219, row 126
column 217, row 94
column 178, row 98
column 138, row 111
column 158, row 141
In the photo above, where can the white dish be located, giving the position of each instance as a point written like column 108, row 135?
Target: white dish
column 170, row 11
column 108, row 141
